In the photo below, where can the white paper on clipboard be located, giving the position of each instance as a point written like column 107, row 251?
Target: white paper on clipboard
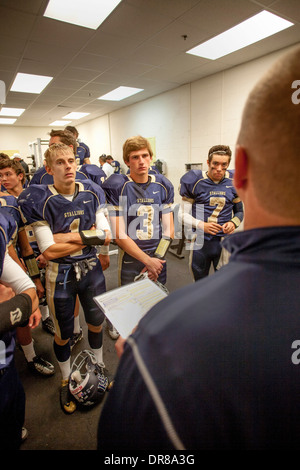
column 126, row 305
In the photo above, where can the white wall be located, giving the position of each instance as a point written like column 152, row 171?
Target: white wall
column 17, row 139
column 96, row 134
column 185, row 122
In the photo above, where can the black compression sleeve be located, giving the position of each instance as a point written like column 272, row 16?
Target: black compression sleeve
column 14, row 312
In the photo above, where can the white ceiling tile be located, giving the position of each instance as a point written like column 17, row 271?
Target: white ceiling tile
column 141, row 44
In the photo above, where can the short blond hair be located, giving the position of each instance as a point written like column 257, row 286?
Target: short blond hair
column 135, row 143
column 54, row 150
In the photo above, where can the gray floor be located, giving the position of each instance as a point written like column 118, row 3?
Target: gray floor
column 48, row 427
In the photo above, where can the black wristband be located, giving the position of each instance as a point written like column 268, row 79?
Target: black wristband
column 14, row 312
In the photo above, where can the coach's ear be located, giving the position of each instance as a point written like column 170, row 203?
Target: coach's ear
column 241, row 168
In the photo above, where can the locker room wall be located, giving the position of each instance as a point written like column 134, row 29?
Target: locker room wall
column 185, row 122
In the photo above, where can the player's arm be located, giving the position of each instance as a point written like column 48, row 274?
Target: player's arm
column 30, row 261
column 153, row 265
column 188, row 220
column 87, row 156
column 56, row 246
column 102, row 223
column 238, row 215
column 98, row 234
column 17, row 280
column 15, row 309
column 167, row 221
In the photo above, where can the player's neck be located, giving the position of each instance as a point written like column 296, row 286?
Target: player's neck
column 139, row 178
column 66, row 189
column 15, row 191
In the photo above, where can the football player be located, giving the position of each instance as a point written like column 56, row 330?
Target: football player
column 18, row 300
column 63, row 216
column 82, row 151
column 140, row 207
column 212, row 207
column 85, row 171
column 12, row 177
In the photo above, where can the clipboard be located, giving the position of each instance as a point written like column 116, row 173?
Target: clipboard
column 125, row 306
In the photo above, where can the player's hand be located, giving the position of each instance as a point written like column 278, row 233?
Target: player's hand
column 154, row 267
column 107, row 237
column 104, row 260
column 228, row 228
column 211, row 227
column 6, row 293
column 41, row 261
column 119, row 345
column 39, row 288
column 35, row 318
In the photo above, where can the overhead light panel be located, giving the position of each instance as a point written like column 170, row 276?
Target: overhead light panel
column 7, row 121
column 28, row 83
column 120, row 93
column 75, row 115
column 11, row 111
column 59, row 123
column 87, row 13
column 256, row 28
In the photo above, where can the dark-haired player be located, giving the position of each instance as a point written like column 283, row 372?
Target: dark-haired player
column 212, row 207
column 82, row 150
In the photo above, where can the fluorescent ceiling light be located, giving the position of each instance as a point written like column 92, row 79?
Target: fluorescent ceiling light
column 59, row 123
column 87, row 13
column 28, row 83
column 256, row 28
column 75, row 115
column 120, row 93
column 11, row 111
column 7, row 121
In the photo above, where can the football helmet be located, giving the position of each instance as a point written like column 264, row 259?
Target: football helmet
column 87, row 382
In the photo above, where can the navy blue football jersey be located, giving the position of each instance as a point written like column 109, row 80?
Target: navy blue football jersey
column 141, row 205
column 92, row 172
column 116, row 166
column 212, row 202
column 42, row 204
column 10, row 205
column 82, row 152
column 41, row 177
column 8, row 229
